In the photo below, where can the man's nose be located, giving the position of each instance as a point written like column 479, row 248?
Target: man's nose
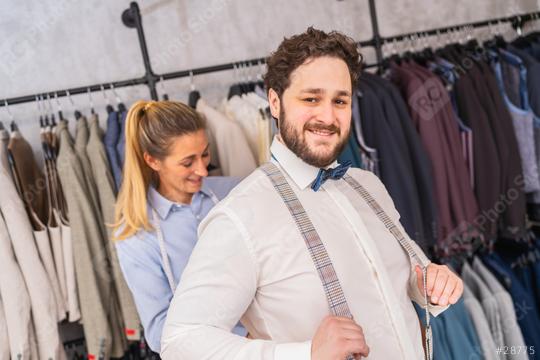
column 327, row 113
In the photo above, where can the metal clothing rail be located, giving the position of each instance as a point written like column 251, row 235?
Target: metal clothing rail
column 131, row 17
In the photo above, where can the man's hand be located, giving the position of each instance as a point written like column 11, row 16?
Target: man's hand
column 338, row 337
column 443, row 286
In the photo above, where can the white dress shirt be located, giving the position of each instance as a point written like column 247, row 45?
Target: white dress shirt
column 251, row 263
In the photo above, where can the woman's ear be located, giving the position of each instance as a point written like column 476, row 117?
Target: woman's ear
column 152, row 162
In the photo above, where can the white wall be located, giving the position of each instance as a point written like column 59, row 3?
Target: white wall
column 56, row 44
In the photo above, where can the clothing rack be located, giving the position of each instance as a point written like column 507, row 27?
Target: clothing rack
column 131, row 17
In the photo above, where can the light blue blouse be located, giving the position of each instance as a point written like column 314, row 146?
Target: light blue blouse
column 141, row 261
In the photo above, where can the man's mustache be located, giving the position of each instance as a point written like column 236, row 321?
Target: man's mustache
column 322, row 127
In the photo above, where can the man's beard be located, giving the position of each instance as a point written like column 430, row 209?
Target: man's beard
column 297, row 142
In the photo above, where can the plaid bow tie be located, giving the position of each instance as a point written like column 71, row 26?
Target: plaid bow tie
column 334, row 173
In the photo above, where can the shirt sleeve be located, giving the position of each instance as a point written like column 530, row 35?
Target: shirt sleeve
column 141, row 266
column 216, row 288
column 384, row 199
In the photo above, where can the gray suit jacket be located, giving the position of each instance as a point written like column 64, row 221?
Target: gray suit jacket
column 91, row 262
column 105, row 185
column 511, row 330
column 119, row 341
column 488, row 302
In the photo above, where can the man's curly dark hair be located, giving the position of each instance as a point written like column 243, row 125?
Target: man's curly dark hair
column 294, row 51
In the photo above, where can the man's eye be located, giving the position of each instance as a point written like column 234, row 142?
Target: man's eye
column 187, row 164
column 206, row 154
column 310, row 100
column 341, row 102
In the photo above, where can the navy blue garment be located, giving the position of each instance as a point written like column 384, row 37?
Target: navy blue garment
column 395, row 171
column 402, row 124
column 536, row 276
column 524, row 304
column 533, row 78
column 121, row 143
column 111, row 139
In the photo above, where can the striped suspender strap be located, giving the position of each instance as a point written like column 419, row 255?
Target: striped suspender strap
column 332, row 287
column 405, row 244
column 323, row 264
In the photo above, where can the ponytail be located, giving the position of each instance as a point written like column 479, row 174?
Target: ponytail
column 150, row 128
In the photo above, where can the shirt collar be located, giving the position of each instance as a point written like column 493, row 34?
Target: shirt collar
column 163, row 206
column 299, row 171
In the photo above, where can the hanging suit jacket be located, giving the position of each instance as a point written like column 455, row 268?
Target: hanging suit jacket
column 12, row 287
column 119, row 342
column 413, row 153
column 33, row 185
column 105, row 186
column 31, row 179
column 112, row 136
column 435, row 121
column 487, row 300
column 515, row 213
column 42, row 299
column 60, row 232
column 91, row 262
column 481, row 324
column 511, row 331
column 121, row 144
column 395, row 172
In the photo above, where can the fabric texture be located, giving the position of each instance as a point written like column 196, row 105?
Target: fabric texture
column 141, row 261
column 89, row 252
column 105, row 187
column 264, row 270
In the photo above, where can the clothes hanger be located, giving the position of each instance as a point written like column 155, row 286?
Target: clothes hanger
column 162, row 84
column 260, row 81
column 109, row 107
column 425, row 55
column 38, row 103
column 451, row 51
column 77, row 113
column 393, row 58
column 251, row 78
column 91, row 101
column 243, row 78
column 499, row 40
column 60, row 115
column 194, row 95
column 47, row 154
column 235, row 89
column 53, row 120
column 13, row 124
column 119, row 103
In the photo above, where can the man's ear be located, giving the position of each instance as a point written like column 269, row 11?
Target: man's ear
column 275, row 104
column 151, row 161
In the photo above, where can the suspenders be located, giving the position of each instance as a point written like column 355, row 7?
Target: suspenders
column 332, row 287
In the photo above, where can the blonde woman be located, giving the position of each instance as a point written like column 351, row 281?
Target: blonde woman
column 164, row 196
